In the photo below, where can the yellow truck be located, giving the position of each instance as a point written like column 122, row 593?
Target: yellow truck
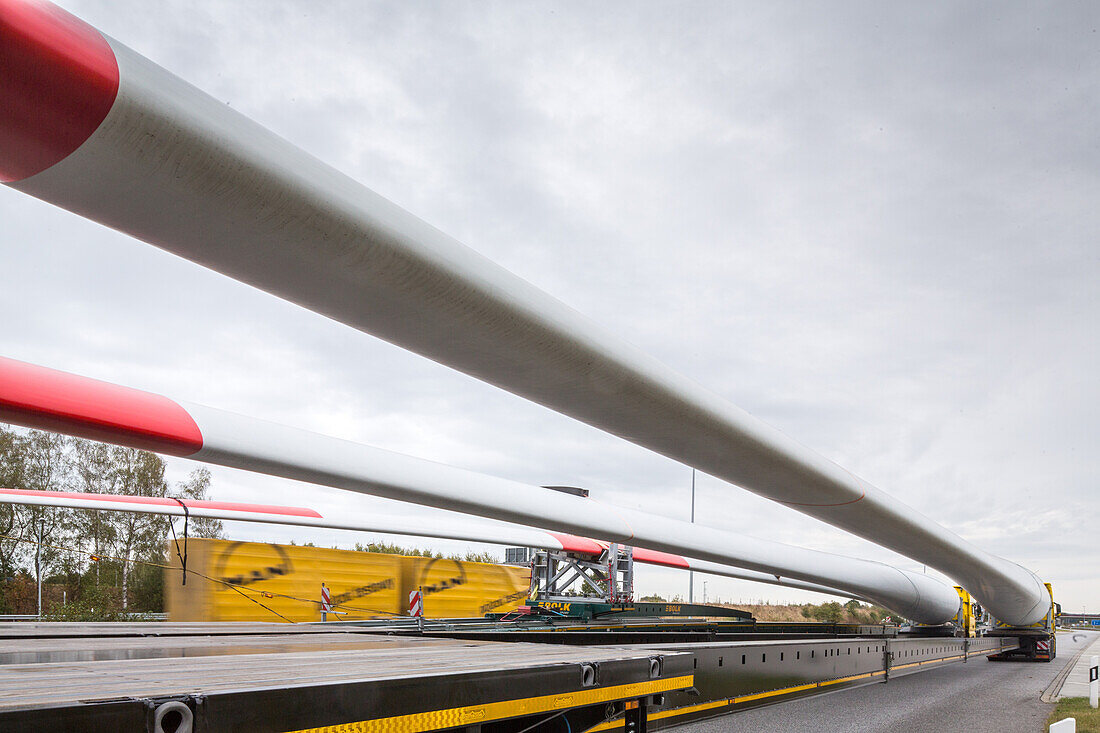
column 255, row 581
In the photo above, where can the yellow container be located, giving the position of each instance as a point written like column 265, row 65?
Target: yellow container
column 457, row 589
column 254, row 581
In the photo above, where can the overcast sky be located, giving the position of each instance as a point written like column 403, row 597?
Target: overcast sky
column 873, row 227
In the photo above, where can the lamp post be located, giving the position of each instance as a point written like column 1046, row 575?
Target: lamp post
column 691, row 573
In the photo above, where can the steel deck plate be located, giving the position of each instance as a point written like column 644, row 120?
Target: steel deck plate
column 275, row 677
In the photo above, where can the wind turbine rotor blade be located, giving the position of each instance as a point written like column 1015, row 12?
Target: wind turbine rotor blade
column 44, row 398
column 178, row 169
column 499, row 533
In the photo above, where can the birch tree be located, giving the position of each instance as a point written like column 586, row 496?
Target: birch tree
column 46, row 467
column 138, row 473
column 12, row 521
column 95, row 473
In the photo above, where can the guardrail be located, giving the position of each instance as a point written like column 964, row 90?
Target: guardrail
column 125, row 617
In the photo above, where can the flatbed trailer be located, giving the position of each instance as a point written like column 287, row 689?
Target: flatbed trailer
column 471, row 674
column 275, row 677
column 742, row 666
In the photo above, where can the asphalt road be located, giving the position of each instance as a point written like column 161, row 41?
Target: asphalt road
column 976, row 697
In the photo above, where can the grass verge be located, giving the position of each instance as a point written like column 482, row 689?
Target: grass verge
column 1088, row 720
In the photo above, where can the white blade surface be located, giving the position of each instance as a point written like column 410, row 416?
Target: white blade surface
column 52, row 400
column 180, row 170
column 500, row 533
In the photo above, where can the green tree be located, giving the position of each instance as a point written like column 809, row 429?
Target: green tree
column 48, row 541
column 486, row 557
column 139, row 473
column 387, row 548
column 95, row 473
column 12, row 521
column 46, row 467
column 830, row 613
column 147, row 586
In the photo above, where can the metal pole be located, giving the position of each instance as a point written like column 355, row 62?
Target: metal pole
column 38, row 570
column 691, row 573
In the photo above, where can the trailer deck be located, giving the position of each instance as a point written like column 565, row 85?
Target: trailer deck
column 458, row 674
column 274, row 677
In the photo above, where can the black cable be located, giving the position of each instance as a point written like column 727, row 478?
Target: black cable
column 172, row 526
column 545, row 720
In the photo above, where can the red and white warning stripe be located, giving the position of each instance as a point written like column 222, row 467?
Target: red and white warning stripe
column 1042, row 645
column 44, row 398
column 66, row 403
column 326, row 599
column 416, row 603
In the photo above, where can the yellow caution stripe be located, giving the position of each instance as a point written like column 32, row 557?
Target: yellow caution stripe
column 474, row 714
column 735, row 700
column 664, row 714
